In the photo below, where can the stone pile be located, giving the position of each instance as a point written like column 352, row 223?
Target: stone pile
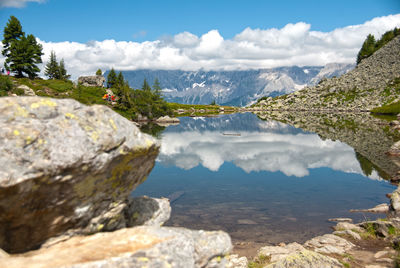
column 363, row 88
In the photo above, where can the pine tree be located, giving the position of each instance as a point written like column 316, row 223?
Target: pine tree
column 112, row 79
column 146, row 86
column 367, row 48
column 12, row 31
column 52, row 69
column 120, row 80
column 22, row 52
column 157, row 87
column 62, row 71
column 99, row 72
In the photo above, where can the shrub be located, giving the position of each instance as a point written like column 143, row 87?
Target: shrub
column 5, row 83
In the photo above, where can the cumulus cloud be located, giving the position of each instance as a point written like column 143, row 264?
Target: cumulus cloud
column 17, row 3
column 292, row 154
column 294, row 44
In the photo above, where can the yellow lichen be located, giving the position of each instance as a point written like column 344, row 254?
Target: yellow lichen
column 135, row 215
column 43, row 102
column 21, row 111
column 144, row 259
column 149, row 143
column 94, row 136
column 69, row 115
column 113, row 124
column 41, row 141
column 16, row 132
column 28, row 140
column 100, row 227
column 88, row 128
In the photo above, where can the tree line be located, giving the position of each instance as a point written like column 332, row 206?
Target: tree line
column 370, row 45
column 23, row 53
column 146, row 101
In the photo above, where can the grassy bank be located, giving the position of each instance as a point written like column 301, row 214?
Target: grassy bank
column 391, row 109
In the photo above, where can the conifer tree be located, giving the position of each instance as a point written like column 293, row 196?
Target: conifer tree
column 52, row 69
column 145, row 86
column 12, row 31
column 99, row 72
column 22, row 52
column 112, row 79
column 120, row 80
column 62, row 71
column 367, row 48
column 157, row 87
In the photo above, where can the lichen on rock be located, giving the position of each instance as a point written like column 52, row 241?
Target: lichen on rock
column 63, row 164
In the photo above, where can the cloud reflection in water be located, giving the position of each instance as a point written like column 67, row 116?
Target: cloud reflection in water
column 292, row 154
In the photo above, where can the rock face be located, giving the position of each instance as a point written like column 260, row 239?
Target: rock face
column 92, row 81
column 361, row 89
column 306, row 259
column 66, row 166
column 135, row 247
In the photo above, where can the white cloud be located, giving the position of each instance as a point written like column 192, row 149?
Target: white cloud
column 294, row 44
column 292, row 154
column 17, row 3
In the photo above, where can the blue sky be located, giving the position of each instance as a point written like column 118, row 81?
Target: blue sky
column 139, row 20
column 206, row 34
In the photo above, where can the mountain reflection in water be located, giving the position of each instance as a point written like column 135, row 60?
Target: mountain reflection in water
column 273, row 183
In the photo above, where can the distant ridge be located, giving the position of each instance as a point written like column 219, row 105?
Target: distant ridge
column 374, row 82
column 238, row 88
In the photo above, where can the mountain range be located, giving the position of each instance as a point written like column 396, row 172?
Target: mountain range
column 236, row 88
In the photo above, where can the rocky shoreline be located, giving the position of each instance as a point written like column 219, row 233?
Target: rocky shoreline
column 64, row 191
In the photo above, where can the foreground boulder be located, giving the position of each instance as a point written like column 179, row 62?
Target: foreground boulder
column 134, row 247
column 66, row 166
column 92, row 81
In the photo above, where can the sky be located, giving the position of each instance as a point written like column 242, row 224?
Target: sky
column 206, row 34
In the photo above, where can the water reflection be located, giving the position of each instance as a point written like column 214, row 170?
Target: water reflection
column 272, row 146
column 247, row 185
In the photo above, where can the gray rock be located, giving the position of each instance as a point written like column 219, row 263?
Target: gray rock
column 381, row 228
column 234, row 261
column 350, row 233
column 92, row 81
column 306, row 259
column 27, row 90
column 145, row 246
column 276, row 253
column 166, row 121
column 329, row 244
column 395, row 149
column 395, row 201
column 63, row 164
column 341, row 220
column 347, row 226
column 381, row 208
column 148, row 211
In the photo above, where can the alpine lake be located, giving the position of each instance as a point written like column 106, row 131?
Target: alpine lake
column 272, row 177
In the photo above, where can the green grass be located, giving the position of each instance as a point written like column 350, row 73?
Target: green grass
column 392, row 109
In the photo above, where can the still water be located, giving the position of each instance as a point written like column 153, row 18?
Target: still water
column 260, row 181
